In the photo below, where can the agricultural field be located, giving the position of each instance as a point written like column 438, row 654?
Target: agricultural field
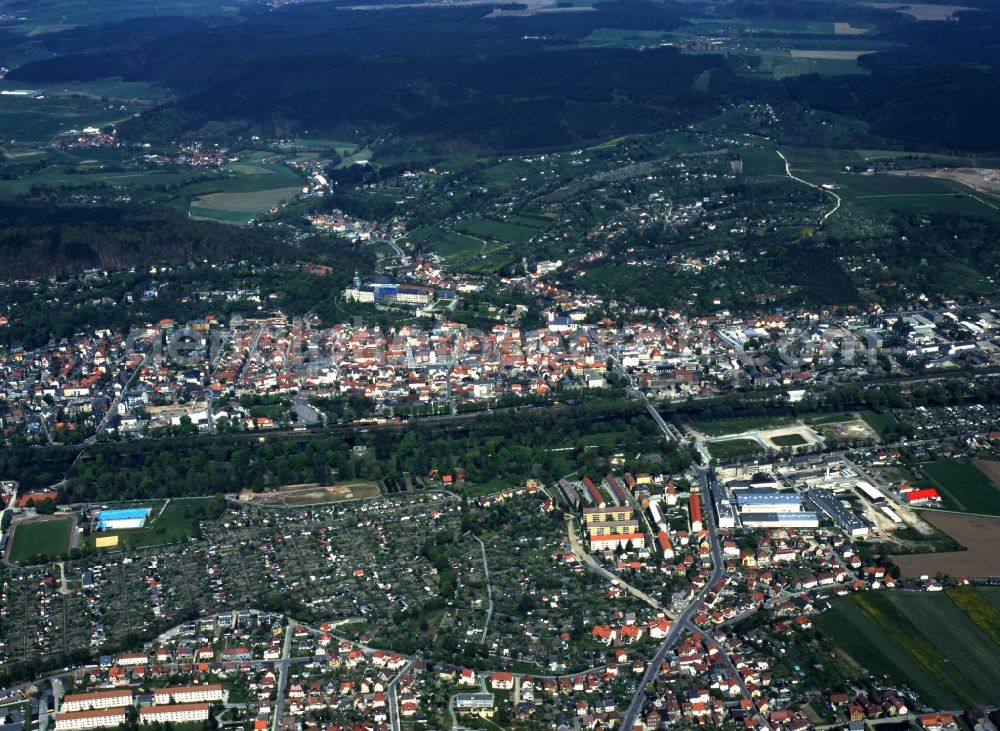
column 45, row 537
column 239, row 207
column 878, row 194
column 256, row 188
column 976, row 533
column 924, row 640
column 963, row 486
column 779, row 64
column 29, row 122
column 49, row 17
column 82, row 175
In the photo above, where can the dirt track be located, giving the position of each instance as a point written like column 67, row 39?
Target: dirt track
column 312, row 494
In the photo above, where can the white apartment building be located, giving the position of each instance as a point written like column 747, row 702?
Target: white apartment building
column 178, row 713
column 95, row 701
column 188, row 694
column 90, row 719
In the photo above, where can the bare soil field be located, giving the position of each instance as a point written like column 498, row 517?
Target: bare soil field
column 312, row 494
column 827, row 55
column 856, row 429
column 922, row 11
column 977, row 533
column 990, row 468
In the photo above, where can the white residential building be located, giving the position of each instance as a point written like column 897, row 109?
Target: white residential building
column 188, row 694
column 181, row 713
column 95, row 701
column 90, row 719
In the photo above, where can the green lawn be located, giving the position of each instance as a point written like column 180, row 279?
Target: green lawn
column 45, row 538
column 789, row 440
column 963, row 487
column 881, row 423
column 923, row 640
column 734, row 448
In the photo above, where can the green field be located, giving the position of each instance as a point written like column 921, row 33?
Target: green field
column 963, row 487
column 453, row 247
column 885, row 193
column 57, row 176
column 720, row 427
column 780, row 65
column 239, row 207
column 48, row 17
column 924, row 640
column 789, row 440
column 827, row 419
column 44, row 538
column 881, row 423
column 991, row 594
column 28, row 121
column 500, row 231
column 734, row 448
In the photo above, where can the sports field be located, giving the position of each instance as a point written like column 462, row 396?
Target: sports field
column 169, row 521
column 963, row 486
column 927, row 641
column 49, row 537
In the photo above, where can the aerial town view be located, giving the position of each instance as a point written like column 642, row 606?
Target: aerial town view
column 380, row 365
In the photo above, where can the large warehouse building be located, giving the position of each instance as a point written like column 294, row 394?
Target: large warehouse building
column 800, row 519
column 844, row 518
column 767, row 501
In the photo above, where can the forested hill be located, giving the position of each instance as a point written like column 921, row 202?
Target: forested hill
column 461, row 77
column 40, row 240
